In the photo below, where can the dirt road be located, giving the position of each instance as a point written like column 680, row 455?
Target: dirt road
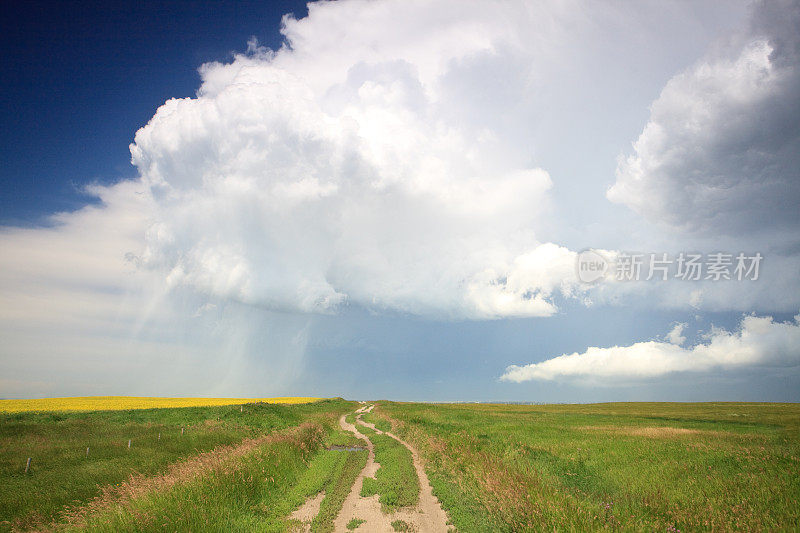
column 427, row 516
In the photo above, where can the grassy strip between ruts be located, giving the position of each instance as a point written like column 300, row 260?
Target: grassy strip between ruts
column 63, row 474
column 354, row 523
column 612, row 466
column 396, row 481
column 332, row 471
column 346, row 466
column 339, row 437
column 378, row 421
column 400, row 525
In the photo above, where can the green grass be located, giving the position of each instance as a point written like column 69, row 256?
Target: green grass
column 256, row 492
column 713, row 466
column 336, row 477
column 396, row 481
column 248, row 493
column 62, row 475
column 354, row 523
column 399, row 525
column 634, row 466
column 339, row 437
column 378, row 421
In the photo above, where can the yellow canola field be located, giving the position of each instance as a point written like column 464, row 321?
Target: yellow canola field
column 112, row 403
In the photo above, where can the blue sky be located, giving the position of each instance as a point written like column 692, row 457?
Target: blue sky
column 391, row 199
column 81, row 78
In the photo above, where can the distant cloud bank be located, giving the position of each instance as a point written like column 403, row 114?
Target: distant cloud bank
column 760, row 341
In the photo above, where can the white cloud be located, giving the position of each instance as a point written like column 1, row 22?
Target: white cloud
column 760, row 341
column 73, row 273
column 675, row 336
column 318, row 176
column 719, row 155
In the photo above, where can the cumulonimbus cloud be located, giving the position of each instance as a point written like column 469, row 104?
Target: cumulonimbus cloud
column 760, row 341
column 304, row 179
column 720, row 154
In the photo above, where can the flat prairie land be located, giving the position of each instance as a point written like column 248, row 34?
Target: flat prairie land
column 619, row 466
column 335, row 465
column 87, row 461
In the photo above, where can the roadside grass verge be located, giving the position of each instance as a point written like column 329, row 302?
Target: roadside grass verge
column 63, row 476
column 616, row 466
column 396, row 482
column 256, row 491
column 248, row 492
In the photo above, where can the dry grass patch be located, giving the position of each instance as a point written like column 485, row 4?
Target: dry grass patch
column 657, row 432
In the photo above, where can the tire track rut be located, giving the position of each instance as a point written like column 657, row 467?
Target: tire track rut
column 426, row 516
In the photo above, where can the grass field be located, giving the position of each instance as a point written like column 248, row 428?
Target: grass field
column 62, row 473
column 622, row 467
column 255, row 492
column 115, row 403
column 638, row 466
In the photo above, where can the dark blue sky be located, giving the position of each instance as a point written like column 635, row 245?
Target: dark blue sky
column 79, row 78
